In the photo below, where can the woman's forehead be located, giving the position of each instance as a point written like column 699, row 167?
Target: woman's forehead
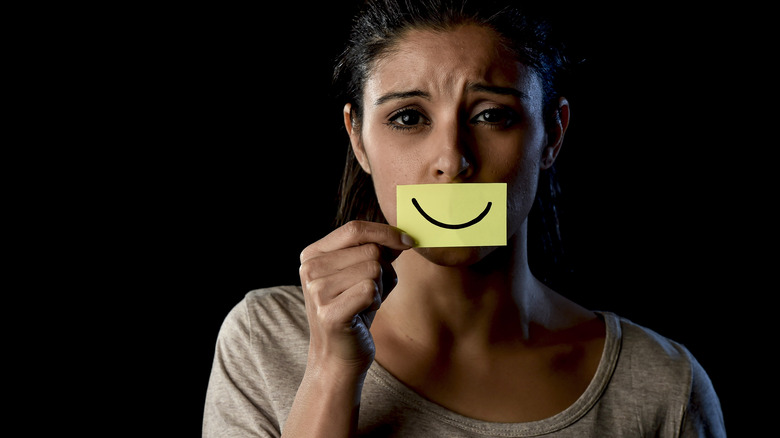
column 445, row 62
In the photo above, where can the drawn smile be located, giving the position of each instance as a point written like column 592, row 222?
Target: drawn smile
column 451, row 226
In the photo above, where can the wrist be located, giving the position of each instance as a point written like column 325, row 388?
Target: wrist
column 334, row 367
column 336, row 376
column 327, row 403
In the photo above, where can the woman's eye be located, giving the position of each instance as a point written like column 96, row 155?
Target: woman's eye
column 495, row 117
column 407, row 119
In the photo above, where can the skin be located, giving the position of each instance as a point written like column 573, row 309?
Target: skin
column 468, row 328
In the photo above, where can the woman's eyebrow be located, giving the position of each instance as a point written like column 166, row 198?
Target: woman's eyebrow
column 401, row 95
column 504, row 91
column 476, row 87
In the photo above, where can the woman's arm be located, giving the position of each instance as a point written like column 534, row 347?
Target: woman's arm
column 237, row 402
column 703, row 415
column 326, row 405
column 345, row 277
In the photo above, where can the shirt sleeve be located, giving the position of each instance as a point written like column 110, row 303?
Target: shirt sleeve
column 703, row 415
column 236, row 404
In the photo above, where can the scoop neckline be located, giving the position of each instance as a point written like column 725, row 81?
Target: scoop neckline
column 563, row 419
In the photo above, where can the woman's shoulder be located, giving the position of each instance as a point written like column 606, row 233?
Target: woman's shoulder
column 259, row 360
column 285, row 300
column 276, row 305
column 648, row 358
column 653, row 353
column 665, row 376
column 270, row 316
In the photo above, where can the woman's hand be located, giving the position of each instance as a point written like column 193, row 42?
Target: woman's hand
column 345, row 277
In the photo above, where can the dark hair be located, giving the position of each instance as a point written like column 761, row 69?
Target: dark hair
column 525, row 33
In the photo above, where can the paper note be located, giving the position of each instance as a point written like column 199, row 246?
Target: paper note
column 453, row 214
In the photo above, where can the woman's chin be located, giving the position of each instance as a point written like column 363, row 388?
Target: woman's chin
column 455, row 256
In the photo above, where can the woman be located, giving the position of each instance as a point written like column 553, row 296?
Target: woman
column 388, row 339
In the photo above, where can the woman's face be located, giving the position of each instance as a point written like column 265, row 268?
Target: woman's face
column 452, row 107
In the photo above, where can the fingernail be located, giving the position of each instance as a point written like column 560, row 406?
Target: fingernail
column 407, row 240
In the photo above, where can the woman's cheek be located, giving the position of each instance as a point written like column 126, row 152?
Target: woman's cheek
column 387, row 172
column 385, row 192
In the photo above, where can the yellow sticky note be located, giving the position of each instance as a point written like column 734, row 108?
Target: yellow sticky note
column 467, row 214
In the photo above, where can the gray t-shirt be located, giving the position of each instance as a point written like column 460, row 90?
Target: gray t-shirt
column 645, row 385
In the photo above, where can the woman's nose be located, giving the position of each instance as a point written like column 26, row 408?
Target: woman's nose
column 452, row 165
column 452, row 160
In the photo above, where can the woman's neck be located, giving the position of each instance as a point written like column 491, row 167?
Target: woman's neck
column 489, row 302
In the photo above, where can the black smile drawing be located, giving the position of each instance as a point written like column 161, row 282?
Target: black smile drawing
column 450, row 226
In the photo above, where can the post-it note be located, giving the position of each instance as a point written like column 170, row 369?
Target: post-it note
column 440, row 215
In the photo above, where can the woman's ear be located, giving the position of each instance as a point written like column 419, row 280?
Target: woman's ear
column 550, row 152
column 354, row 138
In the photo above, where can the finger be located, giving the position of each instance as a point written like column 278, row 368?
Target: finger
column 328, row 288
column 357, row 233
column 340, row 313
column 389, row 279
column 359, row 299
column 329, row 263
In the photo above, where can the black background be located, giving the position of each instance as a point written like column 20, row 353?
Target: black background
column 235, row 148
